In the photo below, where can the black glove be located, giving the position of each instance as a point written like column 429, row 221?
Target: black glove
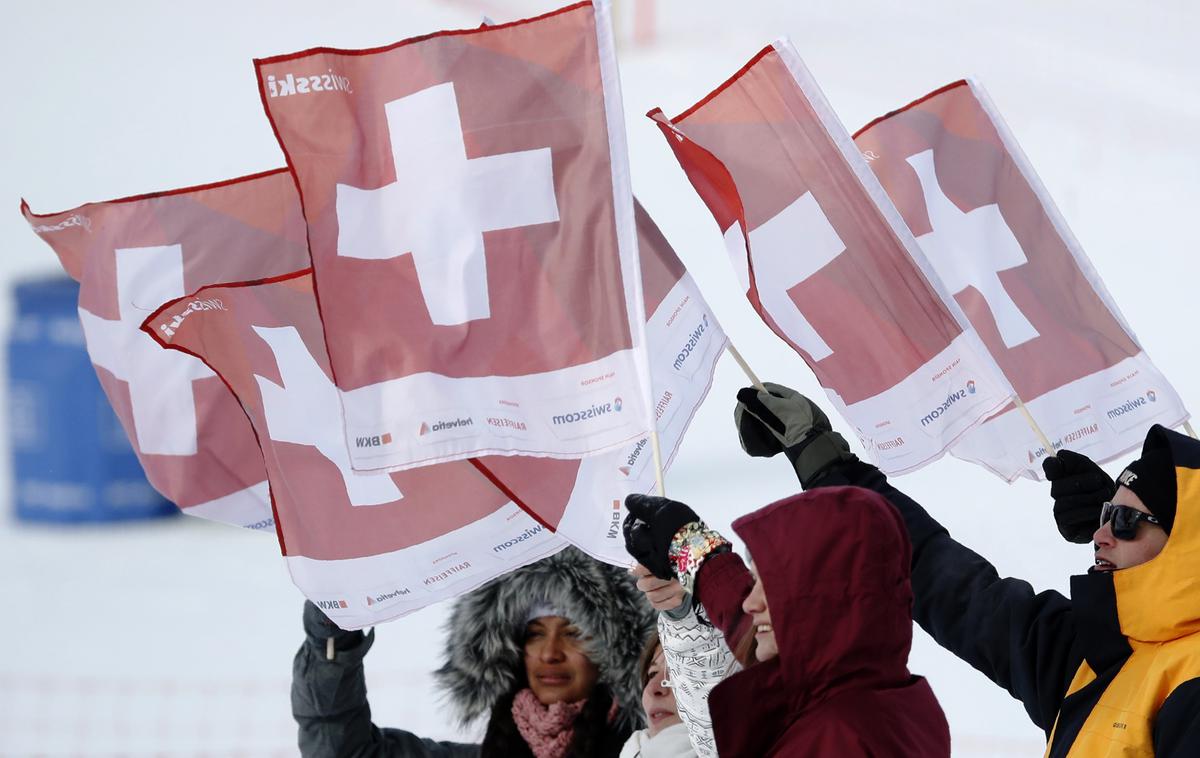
column 649, row 528
column 782, row 420
column 1079, row 488
column 319, row 628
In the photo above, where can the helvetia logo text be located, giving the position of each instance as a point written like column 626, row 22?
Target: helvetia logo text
column 950, row 400
column 385, row 596
column 594, row 411
column 444, row 425
column 212, row 304
column 693, row 341
column 74, row 219
column 377, row 440
column 634, row 455
column 331, row 605
column 291, row 84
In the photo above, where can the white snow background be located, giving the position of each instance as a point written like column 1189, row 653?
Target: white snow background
column 176, row 638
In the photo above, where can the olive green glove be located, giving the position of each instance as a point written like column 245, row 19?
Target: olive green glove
column 781, row 420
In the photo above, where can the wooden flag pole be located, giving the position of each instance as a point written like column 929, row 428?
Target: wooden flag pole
column 1187, row 427
column 658, row 464
column 1036, row 429
column 745, row 367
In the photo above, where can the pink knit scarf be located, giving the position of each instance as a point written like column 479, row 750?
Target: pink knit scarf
column 547, row 730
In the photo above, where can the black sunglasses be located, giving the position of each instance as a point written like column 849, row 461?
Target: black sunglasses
column 1124, row 520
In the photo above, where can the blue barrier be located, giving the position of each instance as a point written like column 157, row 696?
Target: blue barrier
column 71, row 460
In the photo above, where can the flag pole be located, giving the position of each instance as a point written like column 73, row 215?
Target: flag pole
column 1187, row 427
column 745, row 367
column 658, row 464
column 1034, row 425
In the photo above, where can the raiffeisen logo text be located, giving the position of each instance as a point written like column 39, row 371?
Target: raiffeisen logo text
column 302, row 85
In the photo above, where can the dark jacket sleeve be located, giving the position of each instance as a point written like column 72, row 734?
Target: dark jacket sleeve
column 1026, row 642
column 722, row 583
column 329, row 702
column 1177, row 726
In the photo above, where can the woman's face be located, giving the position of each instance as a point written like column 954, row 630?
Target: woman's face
column 755, row 605
column 555, row 665
column 657, row 700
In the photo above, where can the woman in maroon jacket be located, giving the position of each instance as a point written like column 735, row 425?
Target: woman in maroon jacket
column 830, row 610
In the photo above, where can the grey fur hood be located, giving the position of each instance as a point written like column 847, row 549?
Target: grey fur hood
column 484, row 655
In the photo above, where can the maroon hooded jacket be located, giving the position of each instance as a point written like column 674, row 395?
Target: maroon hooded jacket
column 835, row 570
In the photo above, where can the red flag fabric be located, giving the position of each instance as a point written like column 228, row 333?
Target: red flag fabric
column 829, row 265
column 472, row 238
column 131, row 255
column 365, row 547
column 994, row 236
column 583, row 500
column 371, row 547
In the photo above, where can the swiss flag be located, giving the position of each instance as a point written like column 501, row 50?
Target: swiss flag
column 582, row 500
column 399, row 541
column 132, row 254
column 472, row 236
column 828, row 264
column 994, row 236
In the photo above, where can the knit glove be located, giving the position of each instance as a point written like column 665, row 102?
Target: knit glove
column 781, row 420
column 1079, row 488
column 668, row 538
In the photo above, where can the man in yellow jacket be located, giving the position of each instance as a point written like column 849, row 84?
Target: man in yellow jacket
column 1112, row 671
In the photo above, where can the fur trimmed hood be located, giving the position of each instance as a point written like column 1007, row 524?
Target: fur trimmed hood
column 483, row 659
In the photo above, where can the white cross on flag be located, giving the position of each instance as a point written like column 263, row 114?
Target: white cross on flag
column 830, row 266
column 130, row 256
column 472, row 237
column 995, row 237
column 366, row 548
column 583, row 500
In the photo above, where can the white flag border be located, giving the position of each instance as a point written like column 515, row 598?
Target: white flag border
column 627, row 241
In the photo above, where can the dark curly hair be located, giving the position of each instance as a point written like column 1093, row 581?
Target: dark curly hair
column 595, row 736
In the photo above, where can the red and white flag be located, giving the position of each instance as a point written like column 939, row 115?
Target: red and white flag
column 995, row 238
column 830, row 266
column 130, row 256
column 583, row 500
column 364, row 547
column 472, row 236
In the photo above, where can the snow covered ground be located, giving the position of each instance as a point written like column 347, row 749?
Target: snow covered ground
column 175, row 638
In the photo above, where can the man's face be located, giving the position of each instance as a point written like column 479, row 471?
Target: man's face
column 1113, row 554
column 755, row 605
column 657, row 700
column 557, row 669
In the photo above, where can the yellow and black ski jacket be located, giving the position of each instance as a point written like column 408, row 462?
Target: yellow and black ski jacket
column 1112, row 671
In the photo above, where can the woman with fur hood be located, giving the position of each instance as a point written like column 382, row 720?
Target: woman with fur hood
column 548, row 653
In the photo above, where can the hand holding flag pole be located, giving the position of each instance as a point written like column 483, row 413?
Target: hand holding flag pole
column 1034, row 425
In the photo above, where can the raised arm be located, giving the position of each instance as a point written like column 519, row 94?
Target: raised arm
column 329, row 701
column 1024, row 641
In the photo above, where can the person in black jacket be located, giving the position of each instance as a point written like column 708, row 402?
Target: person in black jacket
column 1114, row 670
column 547, row 653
